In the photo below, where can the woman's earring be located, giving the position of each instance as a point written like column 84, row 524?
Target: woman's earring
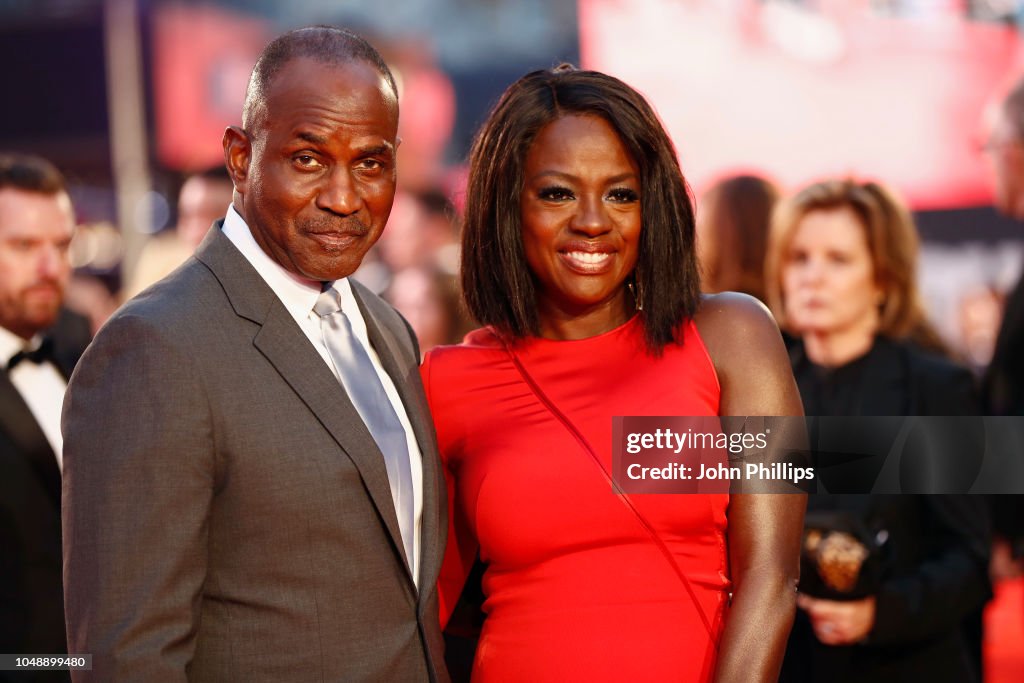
column 637, row 292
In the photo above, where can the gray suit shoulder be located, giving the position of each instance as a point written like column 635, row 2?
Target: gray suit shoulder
column 188, row 296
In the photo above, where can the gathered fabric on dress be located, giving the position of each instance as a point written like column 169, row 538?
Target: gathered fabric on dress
column 576, row 589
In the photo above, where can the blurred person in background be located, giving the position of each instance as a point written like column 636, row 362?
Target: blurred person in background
column 421, row 231
column 427, row 98
column 842, row 278
column 979, row 314
column 841, row 272
column 429, row 299
column 40, row 343
column 1003, row 383
column 1003, row 387
column 732, row 232
column 578, row 254
column 90, row 295
column 203, row 199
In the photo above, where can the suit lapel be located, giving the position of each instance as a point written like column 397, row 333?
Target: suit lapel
column 17, row 421
column 285, row 346
column 390, row 350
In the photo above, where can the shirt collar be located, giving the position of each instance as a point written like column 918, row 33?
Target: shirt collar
column 11, row 344
column 296, row 293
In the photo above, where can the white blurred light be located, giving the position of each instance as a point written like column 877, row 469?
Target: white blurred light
column 97, row 246
column 152, row 212
column 804, row 34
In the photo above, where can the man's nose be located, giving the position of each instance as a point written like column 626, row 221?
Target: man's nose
column 591, row 217
column 52, row 262
column 339, row 194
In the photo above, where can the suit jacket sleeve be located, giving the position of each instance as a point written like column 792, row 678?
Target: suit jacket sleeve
column 138, row 484
column 949, row 584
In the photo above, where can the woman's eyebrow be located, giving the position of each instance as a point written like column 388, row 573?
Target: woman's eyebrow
column 569, row 176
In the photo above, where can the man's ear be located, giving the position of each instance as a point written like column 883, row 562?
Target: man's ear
column 237, row 151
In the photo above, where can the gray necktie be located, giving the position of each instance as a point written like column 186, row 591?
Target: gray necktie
column 364, row 388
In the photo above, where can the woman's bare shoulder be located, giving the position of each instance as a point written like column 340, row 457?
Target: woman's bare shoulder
column 730, row 321
column 750, row 358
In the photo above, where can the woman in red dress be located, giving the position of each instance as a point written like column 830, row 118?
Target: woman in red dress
column 578, row 256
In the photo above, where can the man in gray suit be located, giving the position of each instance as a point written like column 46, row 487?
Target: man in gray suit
column 251, row 483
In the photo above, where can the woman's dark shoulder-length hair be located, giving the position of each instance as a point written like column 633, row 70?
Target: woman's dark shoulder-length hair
column 497, row 282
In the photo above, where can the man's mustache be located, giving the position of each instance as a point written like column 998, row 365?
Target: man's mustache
column 346, row 225
column 44, row 286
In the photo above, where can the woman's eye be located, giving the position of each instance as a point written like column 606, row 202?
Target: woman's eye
column 555, row 194
column 623, row 194
column 797, row 257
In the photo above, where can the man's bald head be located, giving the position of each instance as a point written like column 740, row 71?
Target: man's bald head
column 326, row 44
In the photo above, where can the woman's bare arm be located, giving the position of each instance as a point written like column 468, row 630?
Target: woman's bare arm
column 764, row 530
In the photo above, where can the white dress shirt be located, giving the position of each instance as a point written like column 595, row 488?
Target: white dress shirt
column 298, row 296
column 41, row 386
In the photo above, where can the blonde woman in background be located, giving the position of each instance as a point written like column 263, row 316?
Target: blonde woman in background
column 841, row 275
column 841, row 278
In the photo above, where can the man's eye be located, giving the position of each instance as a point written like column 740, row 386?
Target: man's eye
column 306, row 161
column 371, row 165
column 555, row 194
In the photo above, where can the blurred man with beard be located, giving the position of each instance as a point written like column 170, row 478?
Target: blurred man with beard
column 40, row 343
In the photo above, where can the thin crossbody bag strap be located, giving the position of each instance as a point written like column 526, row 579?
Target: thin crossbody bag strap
column 619, row 493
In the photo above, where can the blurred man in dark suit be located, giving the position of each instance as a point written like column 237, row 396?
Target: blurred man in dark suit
column 1003, row 387
column 1004, row 381
column 39, row 345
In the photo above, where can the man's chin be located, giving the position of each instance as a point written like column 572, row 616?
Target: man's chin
column 327, row 269
column 43, row 317
column 31, row 323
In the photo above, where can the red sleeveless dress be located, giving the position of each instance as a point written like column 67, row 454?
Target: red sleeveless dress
column 576, row 589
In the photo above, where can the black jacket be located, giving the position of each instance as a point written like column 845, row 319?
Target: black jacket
column 31, row 593
column 935, row 553
column 1003, row 386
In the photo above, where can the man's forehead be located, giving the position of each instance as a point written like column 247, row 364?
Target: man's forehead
column 309, row 79
column 22, row 210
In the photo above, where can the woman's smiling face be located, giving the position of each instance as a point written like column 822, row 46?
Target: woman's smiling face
column 580, row 209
